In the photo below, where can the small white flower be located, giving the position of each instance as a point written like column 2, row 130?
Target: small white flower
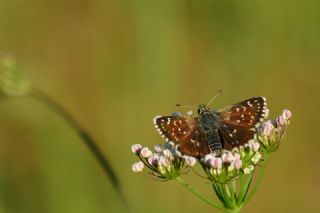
column 163, row 161
column 255, row 146
column 236, row 156
column 281, row 121
column 190, row 161
column 257, row 156
column 136, row 148
column 207, row 158
column 235, row 149
column 153, row 160
column 268, row 127
column 158, row 148
column 286, row 114
column 137, row 167
column 168, row 154
column 251, row 167
column 247, row 170
column 227, row 157
column 145, row 152
column 250, row 144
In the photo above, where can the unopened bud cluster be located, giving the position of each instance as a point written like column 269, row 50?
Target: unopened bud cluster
column 226, row 166
column 162, row 163
column 272, row 132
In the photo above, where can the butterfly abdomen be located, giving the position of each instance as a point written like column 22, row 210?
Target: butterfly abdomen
column 209, row 124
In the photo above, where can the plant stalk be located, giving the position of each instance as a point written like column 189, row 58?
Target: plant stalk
column 86, row 137
column 196, row 193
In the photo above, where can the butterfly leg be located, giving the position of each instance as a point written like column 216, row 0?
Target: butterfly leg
column 214, row 141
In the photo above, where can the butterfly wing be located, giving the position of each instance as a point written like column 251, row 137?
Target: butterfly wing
column 184, row 131
column 239, row 120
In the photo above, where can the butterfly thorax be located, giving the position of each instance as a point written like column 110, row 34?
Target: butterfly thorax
column 208, row 119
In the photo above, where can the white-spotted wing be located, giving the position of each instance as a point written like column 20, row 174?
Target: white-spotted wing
column 183, row 130
column 238, row 121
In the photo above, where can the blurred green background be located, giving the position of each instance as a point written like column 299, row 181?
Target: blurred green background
column 114, row 65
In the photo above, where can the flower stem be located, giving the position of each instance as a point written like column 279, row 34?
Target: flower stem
column 196, row 193
column 259, row 180
column 86, row 137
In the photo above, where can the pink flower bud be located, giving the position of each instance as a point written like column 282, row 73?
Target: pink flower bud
column 153, row 160
column 268, row 127
column 158, row 148
column 227, row 157
column 168, row 154
column 255, row 146
column 237, row 164
column 137, row 167
column 281, row 121
column 136, row 148
column 190, row 161
column 236, row 156
column 250, row 143
column 286, row 114
column 145, row 152
column 216, row 163
column 163, row 161
column 207, row 158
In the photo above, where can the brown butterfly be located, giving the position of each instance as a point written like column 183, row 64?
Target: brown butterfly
column 213, row 130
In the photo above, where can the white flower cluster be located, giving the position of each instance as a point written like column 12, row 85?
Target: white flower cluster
column 227, row 165
column 163, row 163
column 272, row 132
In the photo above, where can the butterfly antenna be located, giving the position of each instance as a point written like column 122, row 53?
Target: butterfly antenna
column 179, row 105
column 214, row 97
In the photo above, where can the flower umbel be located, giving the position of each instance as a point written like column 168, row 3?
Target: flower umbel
column 272, row 133
column 164, row 164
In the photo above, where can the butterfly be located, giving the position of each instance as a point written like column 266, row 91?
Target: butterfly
column 213, row 130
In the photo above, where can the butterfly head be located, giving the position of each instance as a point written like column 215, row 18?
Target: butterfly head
column 203, row 109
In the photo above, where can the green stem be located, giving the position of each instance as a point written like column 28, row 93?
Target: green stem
column 234, row 210
column 227, row 196
column 196, row 193
column 89, row 141
column 241, row 190
column 247, row 185
column 259, row 180
column 218, row 192
column 233, row 191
